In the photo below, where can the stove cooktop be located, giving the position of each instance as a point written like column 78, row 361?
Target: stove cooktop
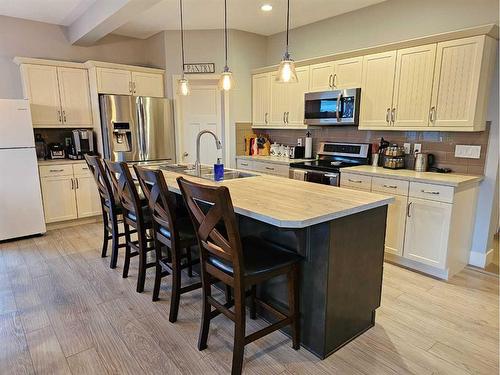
column 323, row 165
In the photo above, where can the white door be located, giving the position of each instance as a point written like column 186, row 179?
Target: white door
column 114, row 81
column 347, row 73
column 75, row 96
column 427, row 231
column 321, row 76
column 87, row 196
column 278, row 102
column 260, row 98
column 456, row 80
column 296, row 93
column 201, row 110
column 15, row 124
column 413, row 86
column 376, row 89
column 395, row 231
column 148, row 84
column 59, row 202
column 42, row 90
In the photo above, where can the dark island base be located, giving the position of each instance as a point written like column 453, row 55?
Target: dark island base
column 341, row 276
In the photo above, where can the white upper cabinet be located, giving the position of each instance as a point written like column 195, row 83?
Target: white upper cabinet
column 413, row 86
column 42, row 89
column 376, row 90
column 75, row 96
column 461, row 83
column 114, row 81
column 278, row 102
column 147, row 84
column 347, row 73
column 321, row 76
column 296, row 93
column 260, row 98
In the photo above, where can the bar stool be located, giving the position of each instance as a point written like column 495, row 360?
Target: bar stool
column 111, row 209
column 135, row 215
column 239, row 263
column 170, row 230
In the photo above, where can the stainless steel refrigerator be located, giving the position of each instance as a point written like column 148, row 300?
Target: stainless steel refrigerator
column 137, row 128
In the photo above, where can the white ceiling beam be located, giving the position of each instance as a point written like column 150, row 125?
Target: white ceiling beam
column 104, row 17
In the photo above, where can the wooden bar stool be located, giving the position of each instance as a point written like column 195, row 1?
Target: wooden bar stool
column 135, row 215
column 239, row 263
column 111, row 209
column 170, row 230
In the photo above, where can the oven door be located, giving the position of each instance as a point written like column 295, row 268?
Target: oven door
column 338, row 107
column 318, row 177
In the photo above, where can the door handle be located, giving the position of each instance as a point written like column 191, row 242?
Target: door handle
column 408, row 209
column 387, row 115
column 337, row 112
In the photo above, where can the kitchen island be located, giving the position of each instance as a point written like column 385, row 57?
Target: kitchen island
column 339, row 232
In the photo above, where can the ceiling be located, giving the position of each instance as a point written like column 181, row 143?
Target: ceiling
column 158, row 15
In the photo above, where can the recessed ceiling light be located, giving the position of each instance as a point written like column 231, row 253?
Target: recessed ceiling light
column 266, row 7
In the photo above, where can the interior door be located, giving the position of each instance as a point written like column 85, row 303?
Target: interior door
column 260, row 98
column 148, row 84
column 75, row 96
column 201, row 110
column 42, row 89
column 377, row 89
column 347, row 73
column 278, row 102
column 296, row 93
column 114, row 81
column 413, row 86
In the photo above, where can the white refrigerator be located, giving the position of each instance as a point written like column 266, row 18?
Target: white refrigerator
column 21, row 211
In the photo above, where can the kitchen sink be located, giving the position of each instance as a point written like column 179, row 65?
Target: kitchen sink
column 207, row 173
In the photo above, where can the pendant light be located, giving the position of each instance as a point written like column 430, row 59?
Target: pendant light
column 286, row 70
column 226, row 81
column 183, row 83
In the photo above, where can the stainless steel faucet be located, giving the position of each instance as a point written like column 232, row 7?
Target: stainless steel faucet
column 218, row 144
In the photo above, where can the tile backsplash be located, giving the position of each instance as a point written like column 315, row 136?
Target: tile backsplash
column 441, row 144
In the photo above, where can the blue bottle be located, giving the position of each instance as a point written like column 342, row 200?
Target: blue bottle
column 218, row 171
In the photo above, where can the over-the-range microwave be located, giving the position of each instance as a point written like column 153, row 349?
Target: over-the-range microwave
column 335, row 107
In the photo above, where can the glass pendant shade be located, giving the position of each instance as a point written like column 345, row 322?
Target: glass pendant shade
column 226, row 81
column 286, row 71
column 183, row 87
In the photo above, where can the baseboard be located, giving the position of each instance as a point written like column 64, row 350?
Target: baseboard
column 480, row 260
column 72, row 223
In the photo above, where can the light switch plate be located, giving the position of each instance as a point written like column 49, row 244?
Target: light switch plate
column 407, row 147
column 417, row 147
column 468, row 151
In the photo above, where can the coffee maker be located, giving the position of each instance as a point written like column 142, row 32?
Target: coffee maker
column 82, row 142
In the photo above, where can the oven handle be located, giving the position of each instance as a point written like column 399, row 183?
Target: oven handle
column 337, row 112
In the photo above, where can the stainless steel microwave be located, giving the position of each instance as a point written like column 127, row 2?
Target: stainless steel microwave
column 336, row 107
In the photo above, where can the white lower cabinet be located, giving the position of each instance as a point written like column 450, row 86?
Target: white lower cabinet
column 68, row 192
column 396, row 221
column 275, row 169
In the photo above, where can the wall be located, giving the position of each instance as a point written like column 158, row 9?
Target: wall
column 390, row 21
column 36, row 39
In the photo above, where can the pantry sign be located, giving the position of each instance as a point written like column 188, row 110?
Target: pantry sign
column 199, row 68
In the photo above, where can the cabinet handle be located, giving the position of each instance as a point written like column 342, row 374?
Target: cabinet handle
column 133, row 87
column 56, row 170
column 334, row 79
column 72, row 184
column 390, row 186
column 269, row 168
column 393, row 116
column 76, row 182
column 245, row 164
column 284, row 116
column 64, row 115
column 287, row 114
column 432, row 114
column 355, row 181
column 265, row 117
column 408, row 209
column 130, row 86
column 387, row 115
column 59, row 117
column 429, row 192
column 330, row 81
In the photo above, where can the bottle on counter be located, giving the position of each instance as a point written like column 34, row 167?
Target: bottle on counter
column 308, row 146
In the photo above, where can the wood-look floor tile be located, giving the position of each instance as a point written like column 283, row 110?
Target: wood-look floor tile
column 14, row 353
column 87, row 362
column 46, row 352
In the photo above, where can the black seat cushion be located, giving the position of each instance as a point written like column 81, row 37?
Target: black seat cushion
column 259, row 257
column 145, row 214
column 185, row 229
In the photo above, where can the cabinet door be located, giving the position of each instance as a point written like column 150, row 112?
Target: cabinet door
column 321, row 76
column 41, row 88
column 296, row 93
column 114, row 81
column 59, row 202
column 278, row 102
column 148, row 84
column 395, row 231
column 347, row 73
column 376, row 89
column 87, row 197
column 260, row 98
column 75, row 96
column 427, row 231
column 413, row 86
column 456, row 81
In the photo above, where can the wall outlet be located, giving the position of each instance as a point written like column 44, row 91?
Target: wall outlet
column 407, row 147
column 466, row 151
column 417, row 147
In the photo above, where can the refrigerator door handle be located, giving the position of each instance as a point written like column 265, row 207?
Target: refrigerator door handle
column 141, row 127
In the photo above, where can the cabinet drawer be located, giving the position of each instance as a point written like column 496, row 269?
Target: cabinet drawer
column 270, row 168
column 244, row 164
column 431, row 192
column 355, row 181
column 81, row 169
column 56, row 170
column 390, row 186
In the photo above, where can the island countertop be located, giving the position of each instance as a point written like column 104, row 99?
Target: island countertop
column 289, row 203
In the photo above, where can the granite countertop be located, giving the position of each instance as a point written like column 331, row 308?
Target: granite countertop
column 289, row 203
column 59, row 161
column 272, row 159
column 448, row 179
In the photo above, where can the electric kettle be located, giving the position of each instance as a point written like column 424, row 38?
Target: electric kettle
column 423, row 161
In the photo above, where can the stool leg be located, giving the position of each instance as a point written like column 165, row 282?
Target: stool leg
column 239, row 331
column 176, row 286
column 253, row 312
column 104, row 251
column 293, row 301
column 141, row 277
column 114, row 243
column 205, row 315
column 156, row 290
column 126, row 263
column 189, row 260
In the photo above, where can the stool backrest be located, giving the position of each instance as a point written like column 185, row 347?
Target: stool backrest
column 214, row 220
column 101, row 178
column 161, row 202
